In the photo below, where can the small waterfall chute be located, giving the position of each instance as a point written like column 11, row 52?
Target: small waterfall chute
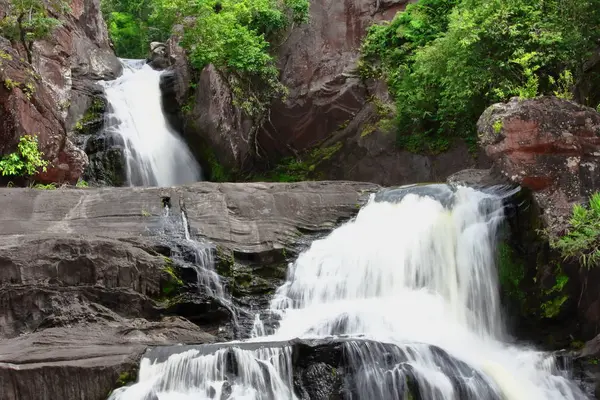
column 154, row 153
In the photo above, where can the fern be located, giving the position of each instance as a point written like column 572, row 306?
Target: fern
column 582, row 241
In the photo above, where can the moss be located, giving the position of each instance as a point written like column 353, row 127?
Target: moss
column 126, row 377
column 217, row 171
column 368, row 129
column 511, row 272
column 556, row 296
column 173, row 282
column 497, row 126
column 40, row 186
column 5, row 56
column 93, row 114
column 225, row 261
column 303, row 168
column 10, row 84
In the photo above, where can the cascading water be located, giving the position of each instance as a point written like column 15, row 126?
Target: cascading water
column 154, row 154
column 411, row 286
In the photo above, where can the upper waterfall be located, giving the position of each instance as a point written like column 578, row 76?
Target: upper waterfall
column 154, row 153
column 411, row 283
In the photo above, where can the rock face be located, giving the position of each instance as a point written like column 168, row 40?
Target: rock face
column 50, row 95
column 551, row 148
column 328, row 106
column 548, row 145
column 86, row 275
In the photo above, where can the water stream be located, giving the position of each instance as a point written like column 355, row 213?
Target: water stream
column 415, row 277
column 154, row 153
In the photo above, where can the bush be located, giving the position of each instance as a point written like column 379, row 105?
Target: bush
column 582, row 241
column 236, row 36
column 26, row 161
column 29, row 20
column 446, row 61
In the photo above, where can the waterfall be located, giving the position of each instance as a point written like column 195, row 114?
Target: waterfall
column 154, row 154
column 411, row 285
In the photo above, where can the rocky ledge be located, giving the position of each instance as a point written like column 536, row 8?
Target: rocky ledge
column 87, row 275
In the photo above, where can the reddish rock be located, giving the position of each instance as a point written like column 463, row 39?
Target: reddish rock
column 49, row 96
column 548, row 145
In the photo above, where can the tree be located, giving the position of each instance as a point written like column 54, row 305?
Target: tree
column 29, row 20
column 446, row 61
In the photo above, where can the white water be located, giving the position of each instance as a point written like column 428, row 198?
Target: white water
column 412, row 274
column 155, row 154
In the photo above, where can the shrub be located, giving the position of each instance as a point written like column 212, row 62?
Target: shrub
column 26, row 161
column 582, row 241
column 29, row 20
column 446, row 61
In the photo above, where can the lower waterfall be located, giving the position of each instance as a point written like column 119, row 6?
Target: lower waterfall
column 154, row 153
column 409, row 288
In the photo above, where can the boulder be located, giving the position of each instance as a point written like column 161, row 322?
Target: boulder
column 86, row 275
column 159, row 57
column 548, row 145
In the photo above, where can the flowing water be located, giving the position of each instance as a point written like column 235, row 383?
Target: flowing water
column 413, row 279
column 154, row 153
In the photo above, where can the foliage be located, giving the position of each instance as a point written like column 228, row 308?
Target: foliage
column 511, row 272
column 26, row 161
column 81, row 184
column 301, row 168
column 236, row 36
column 29, row 20
column 171, row 285
column 555, row 296
column 445, row 61
column 233, row 35
column 582, row 241
column 41, row 186
column 564, row 85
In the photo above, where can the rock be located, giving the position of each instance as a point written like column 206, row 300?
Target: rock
column 159, row 57
column 341, row 369
column 52, row 93
column 85, row 286
column 83, row 362
column 27, row 106
column 549, row 146
column 318, row 64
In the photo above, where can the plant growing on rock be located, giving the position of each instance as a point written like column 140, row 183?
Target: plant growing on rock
column 582, row 241
column 26, row 21
column 445, row 61
column 26, row 161
column 236, row 37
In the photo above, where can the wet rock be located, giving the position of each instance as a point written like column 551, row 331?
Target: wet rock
column 86, row 275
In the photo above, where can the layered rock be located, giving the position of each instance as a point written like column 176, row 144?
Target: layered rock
column 86, row 275
column 53, row 92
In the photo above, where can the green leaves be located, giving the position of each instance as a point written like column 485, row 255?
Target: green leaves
column 582, row 241
column 26, row 161
column 446, row 61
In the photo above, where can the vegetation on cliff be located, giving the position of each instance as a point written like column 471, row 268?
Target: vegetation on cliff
column 236, row 36
column 26, row 161
column 582, row 241
column 445, row 61
column 28, row 20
